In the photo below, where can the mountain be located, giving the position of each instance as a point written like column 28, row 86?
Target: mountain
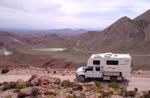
column 144, row 22
column 87, row 40
column 124, row 35
column 8, row 39
column 60, row 32
column 47, row 40
column 67, row 32
column 144, row 17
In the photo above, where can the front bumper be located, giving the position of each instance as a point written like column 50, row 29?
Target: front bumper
column 76, row 75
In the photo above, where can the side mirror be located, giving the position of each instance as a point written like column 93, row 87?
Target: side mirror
column 85, row 70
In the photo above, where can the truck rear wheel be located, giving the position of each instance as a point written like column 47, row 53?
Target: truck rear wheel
column 82, row 78
column 113, row 79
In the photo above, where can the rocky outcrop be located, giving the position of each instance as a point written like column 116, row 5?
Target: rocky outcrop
column 36, row 80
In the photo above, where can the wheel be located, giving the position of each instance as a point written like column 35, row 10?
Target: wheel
column 113, row 79
column 82, row 78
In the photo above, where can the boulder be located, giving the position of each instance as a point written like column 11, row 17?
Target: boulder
column 5, row 86
column 36, row 80
column 25, row 92
column 33, row 77
column 46, row 80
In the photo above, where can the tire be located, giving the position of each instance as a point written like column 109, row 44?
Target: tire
column 113, row 79
column 82, row 79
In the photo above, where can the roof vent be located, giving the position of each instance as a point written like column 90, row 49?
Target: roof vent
column 108, row 55
column 115, row 55
column 97, row 56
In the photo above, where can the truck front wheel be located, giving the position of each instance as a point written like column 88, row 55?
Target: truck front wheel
column 82, row 78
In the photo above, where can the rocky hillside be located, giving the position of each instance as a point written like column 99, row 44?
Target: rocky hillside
column 125, row 35
column 9, row 38
column 46, row 40
column 61, row 64
column 144, row 22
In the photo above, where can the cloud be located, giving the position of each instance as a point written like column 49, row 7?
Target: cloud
column 49, row 14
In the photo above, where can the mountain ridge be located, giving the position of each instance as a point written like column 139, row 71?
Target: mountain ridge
column 121, row 36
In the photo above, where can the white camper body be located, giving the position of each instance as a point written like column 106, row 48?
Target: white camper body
column 106, row 66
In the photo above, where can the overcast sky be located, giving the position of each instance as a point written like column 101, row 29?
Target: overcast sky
column 55, row 14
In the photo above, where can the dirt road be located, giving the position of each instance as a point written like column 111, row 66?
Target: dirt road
column 142, row 83
column 139, row 82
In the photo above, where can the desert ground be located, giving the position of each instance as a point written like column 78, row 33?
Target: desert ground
column 139, row 79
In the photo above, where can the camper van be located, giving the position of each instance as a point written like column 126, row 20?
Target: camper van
column 107, row 66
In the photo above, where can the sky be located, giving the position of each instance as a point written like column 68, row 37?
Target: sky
column 74, row 14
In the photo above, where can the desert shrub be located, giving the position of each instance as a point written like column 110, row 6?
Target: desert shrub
column 100, row 96
column 49, row 92
column 77, row 87
column 13, row 85
column 114, row 85
column 20, row 86
column 130, row 93
column 87, row 89
column 70, row 96
column 66, row 83
column 146, row 95
column 98, row 90
column 16, row 85
column 4, row 71
column 105, row 94
column 98, row 84
column 136, row 89
column 55, row 87
column 50, row 96
column 122, row 92
column 82, row 95
column 35, row 92
column 8, row 96
column 28, row 84
column 110, row 92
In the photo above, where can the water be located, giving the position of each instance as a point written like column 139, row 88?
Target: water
column 52, row 49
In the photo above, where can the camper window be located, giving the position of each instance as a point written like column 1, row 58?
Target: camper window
column 96, row 62
column 112, row 62
column 90, row 68
column 97, row 68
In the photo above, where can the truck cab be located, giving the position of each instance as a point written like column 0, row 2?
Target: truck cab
column 106, row 66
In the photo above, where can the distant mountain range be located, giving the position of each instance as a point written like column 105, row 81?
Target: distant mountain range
column 60, row 32
column 123, row 36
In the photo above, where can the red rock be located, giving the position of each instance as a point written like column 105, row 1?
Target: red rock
column 25, row 92
column 43, row 80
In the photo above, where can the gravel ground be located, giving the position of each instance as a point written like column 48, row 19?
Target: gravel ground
column 141, row 81
column 131, row 83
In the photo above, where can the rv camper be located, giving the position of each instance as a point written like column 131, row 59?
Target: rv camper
column 107, row 66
